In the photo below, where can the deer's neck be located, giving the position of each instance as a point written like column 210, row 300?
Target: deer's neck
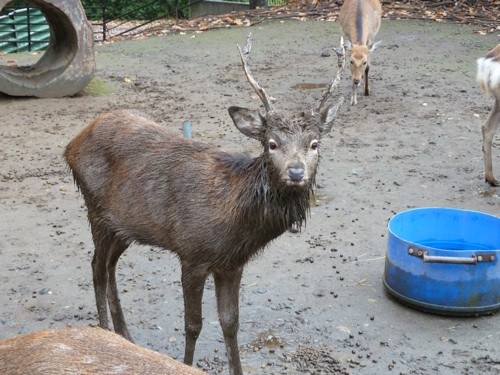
column 265, row 200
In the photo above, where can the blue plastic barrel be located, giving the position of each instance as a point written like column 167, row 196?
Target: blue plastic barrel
column 444, row 260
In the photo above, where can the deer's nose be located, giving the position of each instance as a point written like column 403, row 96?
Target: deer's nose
column 296, row 173
column 355, row 81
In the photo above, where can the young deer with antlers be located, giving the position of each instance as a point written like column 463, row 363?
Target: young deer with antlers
column 488, row 77
column 360, row 21
column 213, row 209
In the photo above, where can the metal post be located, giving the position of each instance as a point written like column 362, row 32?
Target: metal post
column 104, row 21
column 186, row 128
column 28, row 9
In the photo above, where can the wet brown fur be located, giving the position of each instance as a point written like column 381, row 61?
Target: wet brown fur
column 213, row 209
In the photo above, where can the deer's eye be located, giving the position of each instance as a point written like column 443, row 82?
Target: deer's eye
column 273, row 145
column 364, row 63
column 314, row 145
column 352, row 62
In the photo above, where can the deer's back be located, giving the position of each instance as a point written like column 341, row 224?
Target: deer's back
column 125, row 150
column 360, row 20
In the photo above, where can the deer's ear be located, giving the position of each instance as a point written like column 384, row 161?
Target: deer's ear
column 348, row 44
column 374, row 46
column 329, row 115
column 249, row 122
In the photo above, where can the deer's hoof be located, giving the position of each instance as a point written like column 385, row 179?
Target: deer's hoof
column 294, row 228
column 492, row 181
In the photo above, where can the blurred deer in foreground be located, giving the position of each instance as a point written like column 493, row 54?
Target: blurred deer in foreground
column 213, row 209
column 83, row 350
column 360, row 21
column 488, row 76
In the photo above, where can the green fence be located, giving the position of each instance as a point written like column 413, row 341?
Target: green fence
column 23, row 30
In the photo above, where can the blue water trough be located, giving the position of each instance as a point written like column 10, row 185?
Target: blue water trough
column 444, row 261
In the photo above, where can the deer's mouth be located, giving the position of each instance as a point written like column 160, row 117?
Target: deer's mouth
column 296, row 183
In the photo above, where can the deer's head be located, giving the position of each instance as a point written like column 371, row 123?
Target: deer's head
column 291, row 142
column 360, row 60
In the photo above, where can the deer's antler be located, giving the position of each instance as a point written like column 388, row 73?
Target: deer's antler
column 340, row 51
column 244, row 54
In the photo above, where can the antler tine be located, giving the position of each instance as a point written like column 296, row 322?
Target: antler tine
column 336, row 80
column 266, row 100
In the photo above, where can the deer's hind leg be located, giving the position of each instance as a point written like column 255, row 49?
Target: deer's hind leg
column 116, row 250
column 100, row 279
column 108, row 249
column 489, row 129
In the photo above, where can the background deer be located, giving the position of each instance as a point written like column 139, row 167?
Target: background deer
column 83, row 350
column 214, row 210
column 360, row 21
column 488, row 77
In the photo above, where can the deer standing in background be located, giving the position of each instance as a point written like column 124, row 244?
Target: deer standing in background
column 213, row 209
column 82, row 351
column 488, row 77
column 360, row 21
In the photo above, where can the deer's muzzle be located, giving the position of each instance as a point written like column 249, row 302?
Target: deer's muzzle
column 296, row 173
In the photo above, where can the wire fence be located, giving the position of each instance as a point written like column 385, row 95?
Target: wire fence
column 23, row 27
column 114, row 17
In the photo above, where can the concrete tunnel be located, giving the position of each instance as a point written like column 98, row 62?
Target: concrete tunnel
column 67, row 65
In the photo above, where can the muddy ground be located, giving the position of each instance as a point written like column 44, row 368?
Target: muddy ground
column 313, row 302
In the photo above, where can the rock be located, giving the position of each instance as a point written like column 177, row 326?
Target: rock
column 68, row 64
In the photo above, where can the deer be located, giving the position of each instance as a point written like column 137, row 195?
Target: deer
column 83, row 350
column 215, row 210
column 360, row 22
column 488, row 77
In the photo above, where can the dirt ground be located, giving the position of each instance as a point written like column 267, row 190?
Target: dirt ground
column 313, row 302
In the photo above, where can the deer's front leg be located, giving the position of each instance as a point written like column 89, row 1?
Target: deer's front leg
column 227, row 287
column 367, row 88
column 192, row 289
column 354, row 93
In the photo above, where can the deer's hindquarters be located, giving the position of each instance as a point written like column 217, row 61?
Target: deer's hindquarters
column 488, row 77
column 488, row 72
column 360, row 20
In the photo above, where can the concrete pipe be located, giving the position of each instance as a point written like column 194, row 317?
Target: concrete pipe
column 67, row 65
